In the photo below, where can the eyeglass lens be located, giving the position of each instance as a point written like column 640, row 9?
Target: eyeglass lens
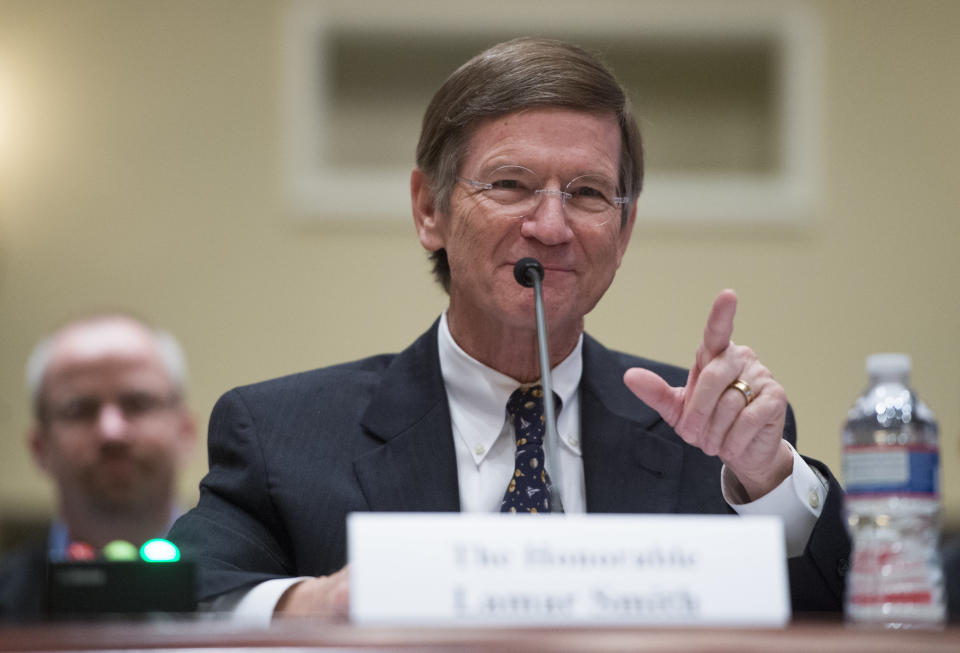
column 588, row 197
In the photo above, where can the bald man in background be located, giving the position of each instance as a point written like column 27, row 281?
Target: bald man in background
column 112, row 431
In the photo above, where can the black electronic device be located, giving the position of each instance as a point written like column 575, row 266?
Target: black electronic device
column 104, row 587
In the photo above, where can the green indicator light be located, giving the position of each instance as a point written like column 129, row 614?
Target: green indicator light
column 159, row 551
column 119, row 550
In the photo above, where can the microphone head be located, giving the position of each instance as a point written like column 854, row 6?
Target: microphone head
column 525, row 268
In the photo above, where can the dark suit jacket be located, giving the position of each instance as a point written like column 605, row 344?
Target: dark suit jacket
column 951, row 574
column 291, row 457
column 22, row 583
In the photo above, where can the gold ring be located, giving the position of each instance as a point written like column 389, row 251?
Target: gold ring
column 744, row 389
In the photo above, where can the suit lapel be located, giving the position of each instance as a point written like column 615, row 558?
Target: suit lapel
column 627, row 467
column 415, row 466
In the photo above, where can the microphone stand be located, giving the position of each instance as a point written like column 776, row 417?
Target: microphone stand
column 529, row 272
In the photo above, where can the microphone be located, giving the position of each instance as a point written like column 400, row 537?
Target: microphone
column 529, row 272
column 526, row 270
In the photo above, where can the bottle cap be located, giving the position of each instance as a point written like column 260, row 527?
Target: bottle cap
column 888, row 366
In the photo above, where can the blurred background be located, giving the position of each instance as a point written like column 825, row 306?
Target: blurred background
column 235, row 171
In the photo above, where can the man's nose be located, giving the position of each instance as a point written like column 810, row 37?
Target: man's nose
column 112, row 424
column 548, row 221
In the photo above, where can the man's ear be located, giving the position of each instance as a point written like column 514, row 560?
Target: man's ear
column 38, row 441
column 625, row 232
column 425, row 215
column 187, row 435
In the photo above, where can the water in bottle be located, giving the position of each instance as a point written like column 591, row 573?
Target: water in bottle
column 891, row 471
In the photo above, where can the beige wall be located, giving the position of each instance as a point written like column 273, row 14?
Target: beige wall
column 139, row 168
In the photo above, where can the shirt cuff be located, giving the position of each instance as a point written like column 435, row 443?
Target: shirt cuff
column 255, row 606
column 798, row 501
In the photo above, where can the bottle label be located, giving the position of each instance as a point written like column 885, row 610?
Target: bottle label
column 886, row 470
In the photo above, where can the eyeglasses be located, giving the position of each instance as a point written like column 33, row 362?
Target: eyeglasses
column 588, row 199
column 133, row 406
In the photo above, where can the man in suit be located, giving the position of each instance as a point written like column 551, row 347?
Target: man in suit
column 111, row 430
column 529, row 149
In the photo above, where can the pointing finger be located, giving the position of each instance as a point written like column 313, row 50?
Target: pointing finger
column 719, row 329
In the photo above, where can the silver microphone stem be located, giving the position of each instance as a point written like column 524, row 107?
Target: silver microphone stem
column 549, row 408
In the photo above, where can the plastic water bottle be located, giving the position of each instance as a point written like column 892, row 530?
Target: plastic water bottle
column 891, row 470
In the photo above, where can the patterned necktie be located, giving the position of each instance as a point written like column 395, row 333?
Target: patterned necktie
column 528, row 490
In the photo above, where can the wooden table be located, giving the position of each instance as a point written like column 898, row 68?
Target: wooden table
column 212, row 634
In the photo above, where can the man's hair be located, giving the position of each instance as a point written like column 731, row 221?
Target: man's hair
column 171, row 355
column 520, row 74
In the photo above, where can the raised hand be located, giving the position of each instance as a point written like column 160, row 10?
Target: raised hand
column 741, row 424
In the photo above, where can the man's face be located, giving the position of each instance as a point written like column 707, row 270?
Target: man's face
column 482, row 245
column 114, row 430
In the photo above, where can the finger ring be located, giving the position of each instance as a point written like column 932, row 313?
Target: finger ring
column 744, row 389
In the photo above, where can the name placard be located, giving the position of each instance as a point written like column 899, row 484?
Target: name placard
column 537, row 570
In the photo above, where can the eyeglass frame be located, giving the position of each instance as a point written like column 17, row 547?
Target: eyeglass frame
column 86, row 410
column 617, row 202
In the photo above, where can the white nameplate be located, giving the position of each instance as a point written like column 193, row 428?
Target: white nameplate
column 471, row 569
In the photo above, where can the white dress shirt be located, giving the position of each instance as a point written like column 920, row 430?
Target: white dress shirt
column 484, row 437
column 484, row 442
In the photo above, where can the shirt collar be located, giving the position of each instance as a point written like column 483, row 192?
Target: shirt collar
column 477, row 394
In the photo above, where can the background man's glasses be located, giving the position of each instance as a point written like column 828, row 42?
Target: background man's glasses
column 133, row 406
column 588, row 199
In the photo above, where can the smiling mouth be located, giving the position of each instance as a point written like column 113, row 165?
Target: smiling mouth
column 552, row 271
column 553, row 267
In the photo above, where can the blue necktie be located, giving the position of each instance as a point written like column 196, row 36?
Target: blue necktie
column 529, row 487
